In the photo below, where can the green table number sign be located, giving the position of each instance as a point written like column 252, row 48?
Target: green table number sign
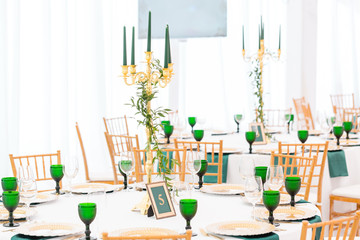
column 258, row 128
column 160, row 200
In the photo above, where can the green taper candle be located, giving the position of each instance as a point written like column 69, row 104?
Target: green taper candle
column 263, row 31
column 168, row 42
column 280, row 37
column 133, row 47
column 166, row 58
column 149, row 34
column 259, row 36
column 243, row 37
column 124, row 48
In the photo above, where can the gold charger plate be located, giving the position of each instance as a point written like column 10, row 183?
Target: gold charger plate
column 284, row 199
column 287, row 213
column 349, row 143
column 223, row 189
column 143, row 231
column 43, row 198
column 19, row 213
column 240, row 228
column 93, row 188
column 49, row 229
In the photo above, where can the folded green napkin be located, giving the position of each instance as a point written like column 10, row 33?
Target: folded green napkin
column 337, row 164
column 23, row 237
column 214, row 169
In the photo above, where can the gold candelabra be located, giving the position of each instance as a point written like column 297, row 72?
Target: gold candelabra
column 151, row 77
column 261, row 55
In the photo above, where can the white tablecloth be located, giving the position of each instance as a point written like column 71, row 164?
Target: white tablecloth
column 236, row 161
column 114, row 212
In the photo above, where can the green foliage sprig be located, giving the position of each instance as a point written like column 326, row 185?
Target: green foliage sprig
column 255, row 74
column 151, row 120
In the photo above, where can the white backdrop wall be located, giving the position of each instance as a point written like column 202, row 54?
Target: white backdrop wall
column 60, row 61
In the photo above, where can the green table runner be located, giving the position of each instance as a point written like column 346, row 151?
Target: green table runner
column 337, row 164
column 214, row 169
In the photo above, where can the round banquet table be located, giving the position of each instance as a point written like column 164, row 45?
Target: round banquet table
column 261, row 157
column 114, row 212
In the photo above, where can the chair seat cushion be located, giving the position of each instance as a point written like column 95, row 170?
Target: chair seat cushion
column 352, row 191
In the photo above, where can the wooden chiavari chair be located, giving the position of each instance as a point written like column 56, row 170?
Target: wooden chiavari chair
column 303, row 114
column 176, row 162
column 309, row 150
column 211, row 148
column 341, row 101
column 297, row 166
column 345, row 228
column 117, row 126
column 39, row 163
column 99, row 177
column 275, row 117
column 349, row 194
column 118, row 144
column 352, row 115
column 186, row 236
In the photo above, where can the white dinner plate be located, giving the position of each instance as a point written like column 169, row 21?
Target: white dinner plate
column 240, row 228
column 223, row 189
column 49, row 229
column 19, row 213
column 286, row 213
column 85, row 188
column 143, row 231
column 284, row 199
column 43, row 198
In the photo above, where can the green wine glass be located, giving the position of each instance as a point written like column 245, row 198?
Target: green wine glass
column 292, row 185
column 303, row 135
column 202, row 171
column 163, row 123
column 237, row 119
column 330, row 122
column 289, row 118
column 168, row 130
column 198, row 135
column 271, row 200
column 338, row 132
column 87, row 214
column 250, row 138
column 347, row 127
column 260, row 171
column 192, row 122
column 126, row 162
column 9, row 183
column 57, row 174
column 188, row 208
column 11, row 201
column 125, row 182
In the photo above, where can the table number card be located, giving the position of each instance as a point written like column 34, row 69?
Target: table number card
column 160, row 200
column 260, row 133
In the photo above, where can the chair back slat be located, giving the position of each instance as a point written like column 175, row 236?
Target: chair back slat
column 340, row 102
column 297, row 166
column 275, row 117
column 352, row 115
column 210, row 148
column 116, row 126
column 118, row 144
column 309, row 150
column 303, row 114
column 40, row 164
column 341, row 228
column 176, row 162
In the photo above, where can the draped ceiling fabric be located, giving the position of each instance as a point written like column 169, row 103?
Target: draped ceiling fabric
column 60, row 61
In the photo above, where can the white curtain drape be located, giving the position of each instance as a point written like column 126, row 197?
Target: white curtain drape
column 338, row 50
column 60, row 61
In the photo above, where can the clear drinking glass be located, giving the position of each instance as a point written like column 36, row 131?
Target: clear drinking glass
column 193, row 164
column 275, row 177
column 246, row 170
column 253, row 191
column 27, row 186
column 71, row 169
column 127, row 164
